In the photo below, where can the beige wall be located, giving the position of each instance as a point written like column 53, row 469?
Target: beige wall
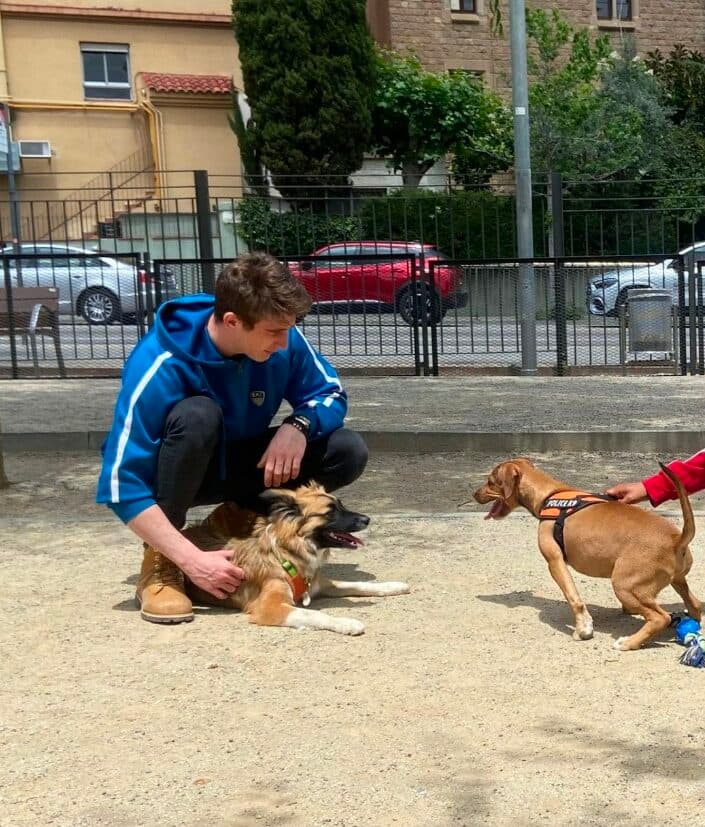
column 154, row 47
column 201, row 6
column 44, row 77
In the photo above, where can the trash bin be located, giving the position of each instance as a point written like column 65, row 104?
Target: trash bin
column 650, row 321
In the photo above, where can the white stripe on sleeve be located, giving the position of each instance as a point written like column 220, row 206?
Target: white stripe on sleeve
column 317, row 362
column 125, row 434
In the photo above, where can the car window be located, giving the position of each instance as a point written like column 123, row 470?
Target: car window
column 338, row 253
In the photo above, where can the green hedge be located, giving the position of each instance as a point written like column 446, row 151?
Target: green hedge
column 476, row 225
column 462, row 225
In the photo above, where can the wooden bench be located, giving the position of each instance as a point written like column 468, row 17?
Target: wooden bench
column 30, row 312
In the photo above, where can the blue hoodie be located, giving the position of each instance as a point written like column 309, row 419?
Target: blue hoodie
column 177, row 359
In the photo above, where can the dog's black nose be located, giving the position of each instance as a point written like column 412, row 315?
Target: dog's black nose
column 364, row 520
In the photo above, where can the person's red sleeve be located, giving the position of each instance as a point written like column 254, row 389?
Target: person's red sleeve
column 691, row 472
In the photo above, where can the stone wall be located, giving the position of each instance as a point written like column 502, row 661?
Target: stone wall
column 450, row 40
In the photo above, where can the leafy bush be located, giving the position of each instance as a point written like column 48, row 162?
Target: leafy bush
column 462, row 225
column 292, row 233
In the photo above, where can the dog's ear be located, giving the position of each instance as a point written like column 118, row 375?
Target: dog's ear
column 280, row 503
column 508, row 478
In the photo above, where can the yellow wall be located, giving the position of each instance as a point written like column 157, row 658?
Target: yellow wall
column 156, row 47
column 44, row 69
column 200, row 6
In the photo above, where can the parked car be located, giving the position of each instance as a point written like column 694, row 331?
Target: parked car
column 365, row 273
column 607, row 291
column 100, row 288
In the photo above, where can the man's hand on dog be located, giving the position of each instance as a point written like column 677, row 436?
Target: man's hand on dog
column 629, row 492
column 214, row 572
column 282, row 459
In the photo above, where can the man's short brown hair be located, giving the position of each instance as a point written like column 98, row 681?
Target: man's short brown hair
column 257, row 286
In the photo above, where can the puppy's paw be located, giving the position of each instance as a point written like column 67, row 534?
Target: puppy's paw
column 583, row 629
column 348, row 626
column 624, row 645
column 392, row 587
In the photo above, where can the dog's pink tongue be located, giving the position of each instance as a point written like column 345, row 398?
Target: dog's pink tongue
column 494, row 511
column 350, row 538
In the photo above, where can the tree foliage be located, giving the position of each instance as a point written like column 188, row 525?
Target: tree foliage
column 681, row 76
column 308, row 69
column 420, row 116
column 594, row 113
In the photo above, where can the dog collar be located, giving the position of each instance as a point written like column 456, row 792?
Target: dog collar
column 299, row 584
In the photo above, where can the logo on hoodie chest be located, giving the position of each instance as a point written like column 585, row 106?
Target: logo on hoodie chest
column 257, row 397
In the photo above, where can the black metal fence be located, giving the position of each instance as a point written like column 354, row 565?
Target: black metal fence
column 391, row 313
column 408, row 281
column 584, row 317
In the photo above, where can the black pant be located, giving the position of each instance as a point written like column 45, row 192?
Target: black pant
column 195, row 468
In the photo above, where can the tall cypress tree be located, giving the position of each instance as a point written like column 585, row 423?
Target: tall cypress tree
column 309, row 68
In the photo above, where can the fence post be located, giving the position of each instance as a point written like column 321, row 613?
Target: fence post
column 682, row 341
column 699, row 317
column 205, row 229
column 559, row 272
column 10, row 316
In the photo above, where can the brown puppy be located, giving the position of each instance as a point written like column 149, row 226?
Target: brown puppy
column 282, row 555
column 640, row 551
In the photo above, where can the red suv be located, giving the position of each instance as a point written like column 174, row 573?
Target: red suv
column 366, row 273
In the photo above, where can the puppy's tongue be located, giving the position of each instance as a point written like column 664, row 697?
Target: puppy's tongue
column 347, row 538
column 495, row 510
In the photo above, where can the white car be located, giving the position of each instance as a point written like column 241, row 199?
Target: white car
column 100, row 288
column 607, row 291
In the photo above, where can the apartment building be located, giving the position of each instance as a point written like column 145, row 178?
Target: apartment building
column 98, row 91
column 456, row 34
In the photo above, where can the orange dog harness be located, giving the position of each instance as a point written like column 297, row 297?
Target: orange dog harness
column 561, row 504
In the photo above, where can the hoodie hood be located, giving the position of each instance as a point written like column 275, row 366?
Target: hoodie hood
column 180, row 327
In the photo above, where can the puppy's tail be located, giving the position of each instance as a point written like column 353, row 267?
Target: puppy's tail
column 688, row 531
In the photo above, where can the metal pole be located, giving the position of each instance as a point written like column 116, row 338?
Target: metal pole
column 559, row 273
column 11, row 187
column 205, row 229
column 522, row 176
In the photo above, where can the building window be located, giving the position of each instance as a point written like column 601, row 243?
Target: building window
column 469, row 6
column 614, row 10
column 106, row 71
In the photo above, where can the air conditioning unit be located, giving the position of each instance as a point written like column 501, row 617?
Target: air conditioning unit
column 35, row 149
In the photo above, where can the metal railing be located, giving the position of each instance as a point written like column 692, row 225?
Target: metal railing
column 368, row 312
column 578, row 303
column 102, row 305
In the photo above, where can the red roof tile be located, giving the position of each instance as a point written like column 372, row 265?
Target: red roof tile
column 194, row 84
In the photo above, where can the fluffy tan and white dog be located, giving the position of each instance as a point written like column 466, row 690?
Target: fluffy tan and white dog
column 282, row 555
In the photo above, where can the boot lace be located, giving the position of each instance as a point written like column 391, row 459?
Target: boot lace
column 167, row 574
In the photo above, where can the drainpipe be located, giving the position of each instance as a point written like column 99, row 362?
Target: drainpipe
column 153, row 120
column 156, row 135
column 4, row 86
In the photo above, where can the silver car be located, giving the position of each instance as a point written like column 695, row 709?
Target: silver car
column 100, row 288
column 608, row 290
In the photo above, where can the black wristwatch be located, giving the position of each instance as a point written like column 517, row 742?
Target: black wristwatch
column 300, row 422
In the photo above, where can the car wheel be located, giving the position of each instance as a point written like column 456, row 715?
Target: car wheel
column 417, row 299
column 98, row 305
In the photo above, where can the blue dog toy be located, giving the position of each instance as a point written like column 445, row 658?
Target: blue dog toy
column 686, row 626
column 688, row 634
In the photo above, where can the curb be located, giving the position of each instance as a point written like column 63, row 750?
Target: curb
column 428, row 442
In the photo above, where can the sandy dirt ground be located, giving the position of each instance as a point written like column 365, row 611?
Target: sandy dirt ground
column 465, row 702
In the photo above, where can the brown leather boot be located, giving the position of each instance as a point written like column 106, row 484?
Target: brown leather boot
column 160, row 590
